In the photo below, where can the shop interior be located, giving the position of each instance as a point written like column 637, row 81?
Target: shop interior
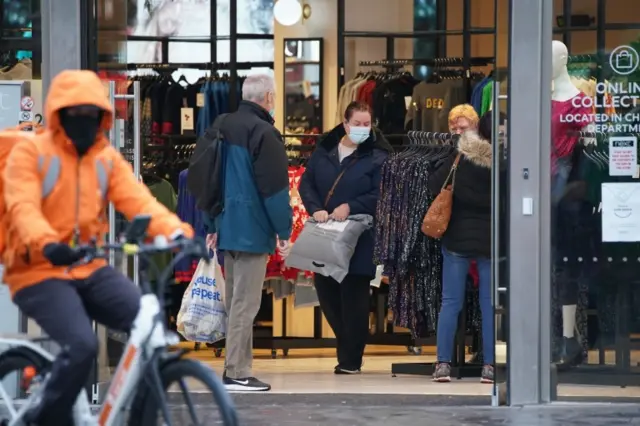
column 405, row 51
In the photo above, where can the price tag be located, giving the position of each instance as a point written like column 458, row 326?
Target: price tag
column 186, row 119
column 200, row 99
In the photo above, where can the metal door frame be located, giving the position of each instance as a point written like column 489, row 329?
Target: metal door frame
column 529, row 353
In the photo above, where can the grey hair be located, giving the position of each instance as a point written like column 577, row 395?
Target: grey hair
column 256, row 87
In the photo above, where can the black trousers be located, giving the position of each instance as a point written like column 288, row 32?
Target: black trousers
column 64, row 310
column 346, row 307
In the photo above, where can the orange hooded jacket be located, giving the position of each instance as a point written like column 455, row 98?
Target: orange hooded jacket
column 75, row 204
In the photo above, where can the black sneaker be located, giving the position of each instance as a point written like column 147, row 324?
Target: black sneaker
column 344, row 370
column 442, row 372
column 247, row 384
column 487, row 374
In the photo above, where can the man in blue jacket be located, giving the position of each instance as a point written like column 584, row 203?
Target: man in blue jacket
column 256, row 214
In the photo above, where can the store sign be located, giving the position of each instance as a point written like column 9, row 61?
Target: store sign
column 624, row 60
column 11, row 92
column 612, row 97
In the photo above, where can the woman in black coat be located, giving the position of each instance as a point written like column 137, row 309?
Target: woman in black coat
column 467, row 238
column 352, row 152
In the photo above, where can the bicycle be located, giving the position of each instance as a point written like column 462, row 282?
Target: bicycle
column 137, row 393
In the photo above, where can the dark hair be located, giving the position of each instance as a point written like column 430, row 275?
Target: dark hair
column 485, row 125
column 356, row 106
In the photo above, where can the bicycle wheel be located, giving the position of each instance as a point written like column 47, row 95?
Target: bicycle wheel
column 16, row 361
column 176, row 373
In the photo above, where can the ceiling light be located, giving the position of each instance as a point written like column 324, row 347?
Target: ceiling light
column 287, row 12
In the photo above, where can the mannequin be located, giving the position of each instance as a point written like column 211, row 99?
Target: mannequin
column 565, row 102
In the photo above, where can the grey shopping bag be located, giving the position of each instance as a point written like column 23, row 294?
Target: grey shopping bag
column 326, row 248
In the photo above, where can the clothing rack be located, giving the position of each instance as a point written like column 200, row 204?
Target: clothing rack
column 418, row 137
column 459, row 367
column 596, row 135
column 434, row 62
column 205, row 66
column 584, row 59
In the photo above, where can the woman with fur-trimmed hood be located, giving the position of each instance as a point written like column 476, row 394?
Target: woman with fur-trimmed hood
column 468, row 237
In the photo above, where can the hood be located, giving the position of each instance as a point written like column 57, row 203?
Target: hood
column 72, row 88
column 376, row 140
column 475, row 149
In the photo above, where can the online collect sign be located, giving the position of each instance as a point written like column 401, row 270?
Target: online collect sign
column 620, row 98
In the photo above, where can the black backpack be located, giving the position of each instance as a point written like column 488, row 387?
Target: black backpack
column 205, row 179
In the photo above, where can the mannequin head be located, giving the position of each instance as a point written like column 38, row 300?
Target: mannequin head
column 559, row 56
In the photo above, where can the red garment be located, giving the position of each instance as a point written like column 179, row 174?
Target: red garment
column 275, row 266
column 473, row 271
column 567, row 118
column 365, row 92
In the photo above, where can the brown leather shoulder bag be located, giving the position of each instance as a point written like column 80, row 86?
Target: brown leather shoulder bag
column 438, row 215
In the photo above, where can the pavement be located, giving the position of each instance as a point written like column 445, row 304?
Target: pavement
column 401, row 410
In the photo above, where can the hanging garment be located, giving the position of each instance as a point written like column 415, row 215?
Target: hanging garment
column 166, row 195
column 384, row 93
column 564, row 136
column 431, row 103
column 413, row 261
column 188, row 212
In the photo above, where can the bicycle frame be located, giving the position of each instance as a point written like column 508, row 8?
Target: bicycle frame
column 147, row 337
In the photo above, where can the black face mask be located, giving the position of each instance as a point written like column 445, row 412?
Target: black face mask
column 81, row 129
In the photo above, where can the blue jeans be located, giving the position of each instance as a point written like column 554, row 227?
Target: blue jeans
column 455, row 268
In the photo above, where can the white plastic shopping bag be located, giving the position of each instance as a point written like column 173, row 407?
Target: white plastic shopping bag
column 202, row 316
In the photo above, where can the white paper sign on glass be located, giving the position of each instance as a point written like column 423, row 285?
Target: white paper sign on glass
column 623, row 155
column 620, row 212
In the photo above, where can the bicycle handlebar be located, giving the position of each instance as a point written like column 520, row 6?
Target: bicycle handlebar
column 187, row 247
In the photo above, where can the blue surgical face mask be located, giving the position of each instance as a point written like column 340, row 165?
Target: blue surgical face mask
column 359, row 134
column 272, row 113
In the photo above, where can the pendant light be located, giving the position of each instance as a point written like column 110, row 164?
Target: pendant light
column 287, row 12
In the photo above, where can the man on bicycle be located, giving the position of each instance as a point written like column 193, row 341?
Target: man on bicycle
column 57, row 189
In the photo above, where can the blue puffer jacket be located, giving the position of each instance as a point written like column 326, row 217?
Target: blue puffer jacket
column 359, row 186
column 256, row 184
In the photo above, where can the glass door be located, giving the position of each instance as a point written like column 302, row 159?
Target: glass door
column 573, row 200
column 595, row 201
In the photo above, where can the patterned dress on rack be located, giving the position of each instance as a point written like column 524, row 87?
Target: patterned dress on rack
column 412, row 261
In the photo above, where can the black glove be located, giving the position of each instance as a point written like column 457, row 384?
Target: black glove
column 60, row 254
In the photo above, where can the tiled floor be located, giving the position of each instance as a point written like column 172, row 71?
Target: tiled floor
column 311, row 372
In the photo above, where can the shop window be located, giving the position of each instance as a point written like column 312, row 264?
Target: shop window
column 191, row 19
column 248, row 51
column 618, row 12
